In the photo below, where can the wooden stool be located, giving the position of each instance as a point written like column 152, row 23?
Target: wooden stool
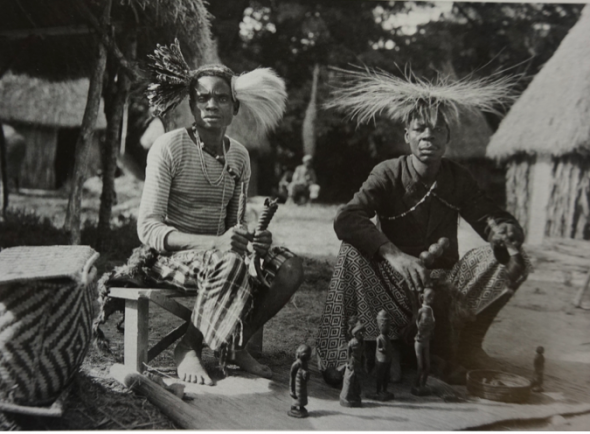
column 137, row 303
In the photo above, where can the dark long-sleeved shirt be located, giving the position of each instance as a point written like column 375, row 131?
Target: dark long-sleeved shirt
column 393, row 187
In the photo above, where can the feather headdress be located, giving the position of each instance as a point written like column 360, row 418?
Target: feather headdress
column 366, row 93
column 261, row 93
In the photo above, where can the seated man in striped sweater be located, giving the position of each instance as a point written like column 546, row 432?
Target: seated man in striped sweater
column 189, row 211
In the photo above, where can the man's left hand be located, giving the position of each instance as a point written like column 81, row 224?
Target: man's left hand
column 507, row 235
column 262, row 242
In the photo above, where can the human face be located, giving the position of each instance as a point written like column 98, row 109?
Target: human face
column 213, row 107
column 428, row 142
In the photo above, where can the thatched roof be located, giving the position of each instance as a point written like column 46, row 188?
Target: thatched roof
column 36, row 101
column 53, row 38
column 470, row 139
column 552, row 115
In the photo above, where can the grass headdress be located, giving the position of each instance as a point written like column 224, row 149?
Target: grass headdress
column 261, row 93
column 365, row 93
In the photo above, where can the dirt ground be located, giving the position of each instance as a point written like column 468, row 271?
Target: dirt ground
column 540, row 313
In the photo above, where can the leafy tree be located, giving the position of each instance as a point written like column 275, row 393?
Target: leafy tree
column 293, row 36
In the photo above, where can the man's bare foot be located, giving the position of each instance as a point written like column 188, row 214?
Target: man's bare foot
column 188, row 365
column 245, row 361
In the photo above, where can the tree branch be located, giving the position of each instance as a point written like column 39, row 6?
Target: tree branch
column 129, row 68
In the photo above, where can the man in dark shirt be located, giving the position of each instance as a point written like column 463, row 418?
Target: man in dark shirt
column 417, row 200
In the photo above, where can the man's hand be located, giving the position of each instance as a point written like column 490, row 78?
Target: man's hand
column 261, row 242
column 506, row 235
column 408, row 266
column 236, row 239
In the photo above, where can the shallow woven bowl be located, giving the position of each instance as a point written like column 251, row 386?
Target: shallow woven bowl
column 498, row 386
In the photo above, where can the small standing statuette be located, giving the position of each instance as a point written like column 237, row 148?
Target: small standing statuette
column 425, row 324
column 539, row 364
column 298, row 382
column 384, row 355
column 350, row 396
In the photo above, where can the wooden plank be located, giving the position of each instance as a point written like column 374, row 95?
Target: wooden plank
column 166, row 341
column 175, row 408
column 136, row 333
column 171, row 306
column 136, row 293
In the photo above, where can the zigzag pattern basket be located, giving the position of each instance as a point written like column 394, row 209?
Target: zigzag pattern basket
column 47, row 297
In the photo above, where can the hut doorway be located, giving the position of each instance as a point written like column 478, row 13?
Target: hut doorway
column 65, row 155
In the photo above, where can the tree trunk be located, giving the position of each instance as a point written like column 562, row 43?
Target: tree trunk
column 72, row 223
column 310, row 115
column 115, row 96
column 4, row 169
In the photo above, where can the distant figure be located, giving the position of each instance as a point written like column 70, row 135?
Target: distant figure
column 298, row 382
column 303, row 187
column 283, row 188
column 539, row 364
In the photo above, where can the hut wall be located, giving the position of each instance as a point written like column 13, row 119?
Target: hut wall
column 37, row 170
column 568, row 209
column 518, row 190
column 541, row 178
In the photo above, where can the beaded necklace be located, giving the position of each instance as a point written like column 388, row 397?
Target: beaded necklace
column 222, row 160
column 421, row 201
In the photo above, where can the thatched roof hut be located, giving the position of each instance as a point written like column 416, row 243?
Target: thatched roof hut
column 36, row 101
column 48, row 115
column 545, row 141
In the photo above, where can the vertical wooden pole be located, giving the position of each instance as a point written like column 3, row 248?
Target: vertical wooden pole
column 116, row 92
column 136, row 333
column 84, row 142
column 4, row 169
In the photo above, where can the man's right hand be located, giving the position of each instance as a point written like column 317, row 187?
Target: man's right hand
column 236, row 239
column 409, row 267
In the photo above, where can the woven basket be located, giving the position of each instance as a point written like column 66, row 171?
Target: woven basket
column 47, row 297
column 498, row 386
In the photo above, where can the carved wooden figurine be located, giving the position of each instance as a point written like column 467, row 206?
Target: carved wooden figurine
column 298, row 382
column 350, row 396
column 539, row 364
column 425, row 324
column 384, row 355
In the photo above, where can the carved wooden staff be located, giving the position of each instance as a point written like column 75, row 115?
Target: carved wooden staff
column 270, row 208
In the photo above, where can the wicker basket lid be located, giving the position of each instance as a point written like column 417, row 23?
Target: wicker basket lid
column 29, row 263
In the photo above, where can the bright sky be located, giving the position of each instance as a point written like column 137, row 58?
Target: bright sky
column 408, row 22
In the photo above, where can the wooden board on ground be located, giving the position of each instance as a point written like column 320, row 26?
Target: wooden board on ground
column 245, row 402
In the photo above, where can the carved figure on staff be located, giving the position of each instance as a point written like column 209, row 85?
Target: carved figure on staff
column 350, row 395
column 298, row 382
column 384, row 355
column 406, row 205
column 192, row 207
column 539, row 369
column 425, row 326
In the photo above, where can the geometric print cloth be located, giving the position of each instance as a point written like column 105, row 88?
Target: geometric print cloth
column 361, row 288
column 224, row 288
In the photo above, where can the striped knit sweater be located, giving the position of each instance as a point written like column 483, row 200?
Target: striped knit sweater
column 177, row 194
